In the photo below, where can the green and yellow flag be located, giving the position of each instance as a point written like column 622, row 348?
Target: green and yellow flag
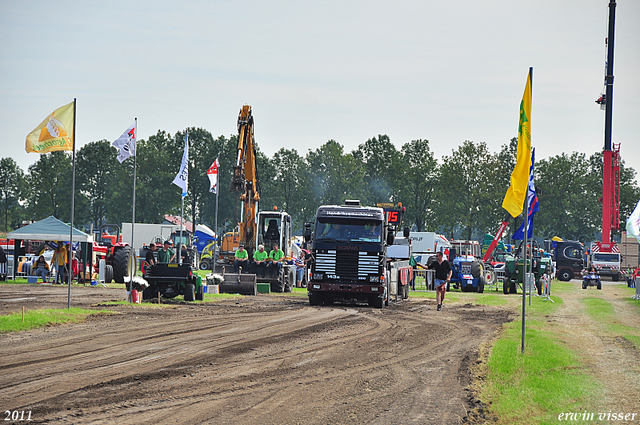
column 55, row 133
column 517, row 192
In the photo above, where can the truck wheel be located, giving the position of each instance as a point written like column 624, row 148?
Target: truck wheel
column 289, row 278
column 121, row 263
column 278, row 285
column 205, row 265
column 378, row 302
column 149, row 293
column 200, row 293
column 189, row 292
column 108, row 273
column 481, row 283
column 615, row 277
column 565, row 275
column 315, row 299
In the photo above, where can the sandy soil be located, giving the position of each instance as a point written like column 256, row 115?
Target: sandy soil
column 256, row 360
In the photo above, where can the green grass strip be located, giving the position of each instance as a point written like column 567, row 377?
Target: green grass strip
column 44, row 317
column 604, row 313
column 548, row 379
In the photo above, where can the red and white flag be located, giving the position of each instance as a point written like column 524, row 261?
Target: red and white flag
column 126, row 143
column 212, row 173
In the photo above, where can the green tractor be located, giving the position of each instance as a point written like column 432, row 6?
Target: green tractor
column 514, row 269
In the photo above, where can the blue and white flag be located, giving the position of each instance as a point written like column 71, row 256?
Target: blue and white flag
column 182, row 179
column 532, row 203
column 633, row 223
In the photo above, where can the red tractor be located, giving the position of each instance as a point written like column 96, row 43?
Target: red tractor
column 115, row 253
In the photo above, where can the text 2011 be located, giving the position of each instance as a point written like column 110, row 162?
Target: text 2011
column 17, row 415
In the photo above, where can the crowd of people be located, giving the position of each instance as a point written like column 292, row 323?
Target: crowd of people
column 268, row 263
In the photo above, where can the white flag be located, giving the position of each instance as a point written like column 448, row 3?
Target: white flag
column 126, row 143
column 182, row 179
column 633, row 223
column 212, row 173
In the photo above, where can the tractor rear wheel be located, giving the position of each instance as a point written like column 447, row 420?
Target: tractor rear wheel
column 121, row 263
column 477, row 269
column 189, row 292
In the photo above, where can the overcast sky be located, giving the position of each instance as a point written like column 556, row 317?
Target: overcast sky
column 446, row 71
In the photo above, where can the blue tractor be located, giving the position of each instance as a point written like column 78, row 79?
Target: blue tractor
column 468, row 274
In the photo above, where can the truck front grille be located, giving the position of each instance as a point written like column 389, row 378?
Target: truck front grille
column 347, row 264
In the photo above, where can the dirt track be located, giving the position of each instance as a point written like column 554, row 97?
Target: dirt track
column 263, row 360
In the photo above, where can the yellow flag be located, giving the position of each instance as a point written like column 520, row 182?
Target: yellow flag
column 515, row 196
column 55, row 133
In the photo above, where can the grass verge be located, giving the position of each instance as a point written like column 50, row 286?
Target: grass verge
column 604, row 313
column 549, row 378
column 44, row 317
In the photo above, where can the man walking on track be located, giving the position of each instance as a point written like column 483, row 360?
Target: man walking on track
column 443, row 275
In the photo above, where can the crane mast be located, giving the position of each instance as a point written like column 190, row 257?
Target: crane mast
column 611, row 165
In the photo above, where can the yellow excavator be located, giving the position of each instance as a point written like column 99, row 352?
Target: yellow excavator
column 256, row 227
column 245, row 183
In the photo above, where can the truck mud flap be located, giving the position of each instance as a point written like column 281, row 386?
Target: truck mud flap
column 244, row 284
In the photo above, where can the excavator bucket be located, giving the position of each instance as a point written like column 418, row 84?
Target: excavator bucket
column 244, row 284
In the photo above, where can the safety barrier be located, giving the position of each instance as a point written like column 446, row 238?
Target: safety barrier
column 423, row 280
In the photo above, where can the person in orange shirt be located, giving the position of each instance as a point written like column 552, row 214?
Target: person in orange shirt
column 59, row 261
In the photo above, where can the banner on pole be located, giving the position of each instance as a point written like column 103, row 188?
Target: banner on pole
column 54, row 133
column 514, row 198
column 212, row 173
column 182, row 179
column 532, row 205
column 126, row 143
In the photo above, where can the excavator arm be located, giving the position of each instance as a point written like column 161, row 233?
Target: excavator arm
column 245, row 178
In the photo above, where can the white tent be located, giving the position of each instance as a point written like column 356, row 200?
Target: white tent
column 49, row 229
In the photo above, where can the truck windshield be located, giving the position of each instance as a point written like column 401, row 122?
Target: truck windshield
column 348, row 230
column 606, row 257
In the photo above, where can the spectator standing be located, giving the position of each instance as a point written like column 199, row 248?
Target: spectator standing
column 443, row 275
column 3, row 265
column 166, row 254
column 300, row 266
column 59, row 261
column 149, row 258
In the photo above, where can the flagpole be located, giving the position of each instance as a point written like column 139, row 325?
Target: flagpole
column 526, row 231
column 132, row 251
column 73, row 193
column 215, row 246
column 182, row 207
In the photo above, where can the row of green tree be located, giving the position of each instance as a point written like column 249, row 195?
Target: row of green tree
column 460, row 195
